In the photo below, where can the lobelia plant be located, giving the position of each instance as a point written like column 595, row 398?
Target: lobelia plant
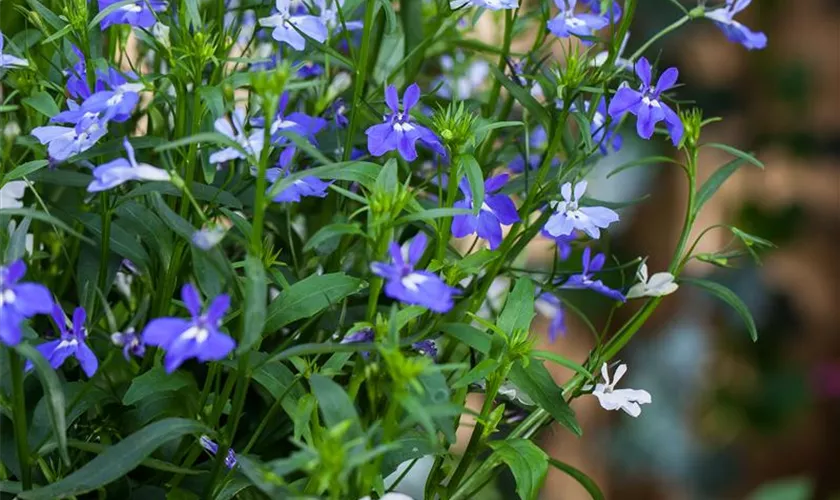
column 258, row 155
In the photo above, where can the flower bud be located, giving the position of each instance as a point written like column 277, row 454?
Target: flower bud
column 161, row 33
column 455, row 125
column 11, row 131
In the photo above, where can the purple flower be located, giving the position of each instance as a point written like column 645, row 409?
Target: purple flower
column 568, row 23
column 303, row 187
column 496, row 210
column 309, row 69
column 614, row 9
column 19, row 301
column 549, row 306
column 426, row 347
column 252, row 143
column 299, row 123
column 10, row 61
column 398, row 132
column 117, row 104
column 64, row 142
column 130, row 343
column 198, row 337
column 364, row 335
column 564, row 243
column 121, row 170
column 77, row 85
column 213, row 448
column 537, row 141
column 403, row 283
column 287, row 22
column 603, row 134
column 338, row 111
column 569, row 216
column 71, row 343
column 646, row 104
column 735, row 31
column 139, row 13
column 585, row 280
column 329, row 16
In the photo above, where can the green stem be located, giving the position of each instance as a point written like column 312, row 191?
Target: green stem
column 359, row 78
column 451, row 193
column 510, row 18
column 679, row 22
column 192, row 155
column 19, row 418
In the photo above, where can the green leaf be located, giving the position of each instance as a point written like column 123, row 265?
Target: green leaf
column 431, row 214
column 474, row 262
column 436, row 395
column 43, row 103
column 17, row 241
column 117, row 460
column 387, row 180
column 335, row 405
column 540, row 387
column 650, row 160
column 53, row 394
column 44, row 217
column 527, row 462
column 736, row 152
column 468, row 335
column 714, row 182
column 523, row 97
column 478, row 372
column 519, row 308
column 177, row 223
column 49, row 16
column 214, row 138
column 151, row 463
column 268, row 477
column 476, row 179
column 25, row 169
column 330, row 232
column 560, row 360
column 588, row 484
column 411, row 13
column 154, row 382
column 487, row 127
column 256, row 294
column 728, row 296
column 365, row 173
column 121, row 241
column 201, row 192
column 309, row 297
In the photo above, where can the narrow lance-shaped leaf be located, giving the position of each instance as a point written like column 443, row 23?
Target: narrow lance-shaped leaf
column 473, row 172
column 728, row 296
column 527, row 462
column 308, row 297
column 256, row 294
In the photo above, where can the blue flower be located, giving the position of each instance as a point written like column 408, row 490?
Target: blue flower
column 19, row 301
column 300, row 188
column 252, row 143
column 585, row 280
column 121, row 170
column 116, row 104
column 568, row 22
column 599, row 9
column 603, row 134
column 735, row 31
column 403, row 283
column 398, row 132
column 362, row 336
column 563, row 242
column 213, row 448
column 646, row 104
column 496, row 210
column 130, row 342
column 71, row 343
column 426, row 347
column 286, row 23
column 198, row 337
column 329, row 16
column 299, row 123
column 569, row 216
column 139, row 13
column 338, row 111
column 77, row 85
column 64, row 142
column 310, row 69
column 550, row 306
column 10, row 61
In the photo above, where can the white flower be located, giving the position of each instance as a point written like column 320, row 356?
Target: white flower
column 487, row 4
column 11, row 194
column 659, row 285
column 611, row 398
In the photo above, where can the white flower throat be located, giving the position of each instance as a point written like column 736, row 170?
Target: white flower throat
column 7, row 297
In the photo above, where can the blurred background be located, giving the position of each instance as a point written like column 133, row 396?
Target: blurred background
column 730, row 418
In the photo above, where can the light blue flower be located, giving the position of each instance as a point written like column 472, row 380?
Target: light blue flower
column 288, row 20
column 569, row 216
column 735, row 31
column 122, row 170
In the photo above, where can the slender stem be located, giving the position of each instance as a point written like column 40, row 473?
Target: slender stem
column 19, row 419
column 451, row 193
column 269, row 416
column 510, row 18
column 192, row 155
column 679, row 22
column 359, row 78
column 105, row 244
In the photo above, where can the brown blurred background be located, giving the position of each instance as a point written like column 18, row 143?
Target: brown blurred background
column 729, row 418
